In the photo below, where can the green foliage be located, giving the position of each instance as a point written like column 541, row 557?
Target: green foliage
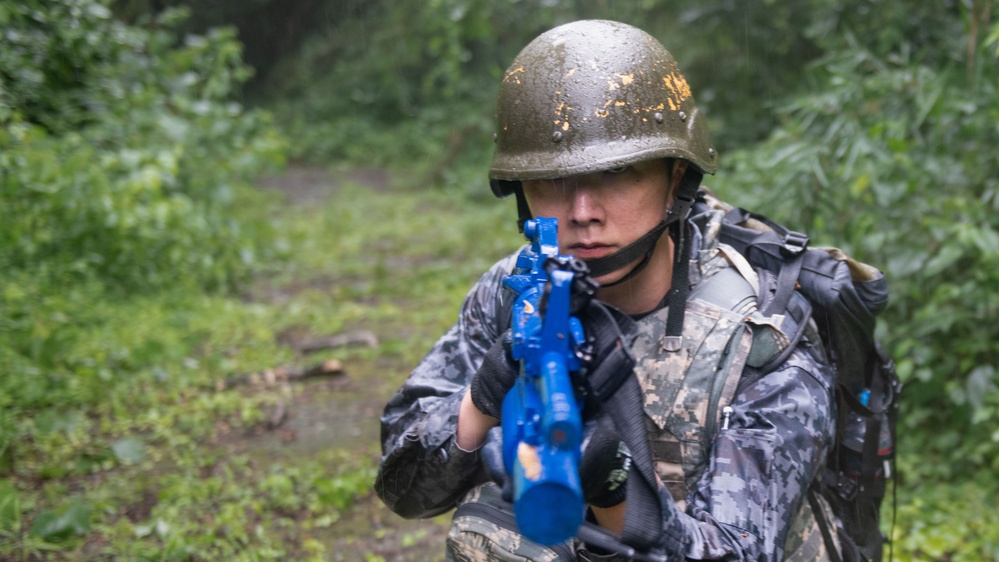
column 891, row 156
column 950, row 522
column 417, row 81
column 242, row 514
column 124, row 164
column 71, row 519
column 121, row 404
column 412, row 82
column 122, row 154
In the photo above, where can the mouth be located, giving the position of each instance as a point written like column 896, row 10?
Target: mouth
column 590, row 251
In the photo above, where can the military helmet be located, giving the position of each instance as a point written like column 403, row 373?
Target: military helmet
column 589, row 96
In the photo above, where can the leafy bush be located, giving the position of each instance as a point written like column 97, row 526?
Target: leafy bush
column 411, row 83
column 947, row 522
column 122, row 153
column 418, row 81
column 892, row 157
column 124, row 169
column 115, row 438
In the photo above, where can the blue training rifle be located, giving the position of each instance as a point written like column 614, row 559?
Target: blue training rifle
column 542, row 421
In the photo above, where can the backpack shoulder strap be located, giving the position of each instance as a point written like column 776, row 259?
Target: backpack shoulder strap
column 781, row 317
column 752, row 232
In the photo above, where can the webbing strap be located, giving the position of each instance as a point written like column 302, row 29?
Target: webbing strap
column 680, row 285
column 523, row 209
column 872, row 440
column 749, row 231
column 643, row 518
column 628, row 254
column 870, row 464
column 678, row 292
column 789, row 244
column 824, row 524
column 888, row 371
column 620, row 393
column 634, row 271
column 787, row 280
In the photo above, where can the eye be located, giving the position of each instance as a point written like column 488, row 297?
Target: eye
column 618, row 170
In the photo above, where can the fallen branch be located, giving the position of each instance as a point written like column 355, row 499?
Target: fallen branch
column 271, row 377
column 339, row 340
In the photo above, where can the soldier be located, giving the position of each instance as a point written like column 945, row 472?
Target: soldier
column 596, row 126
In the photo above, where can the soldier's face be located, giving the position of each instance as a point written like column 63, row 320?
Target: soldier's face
column 601, row 213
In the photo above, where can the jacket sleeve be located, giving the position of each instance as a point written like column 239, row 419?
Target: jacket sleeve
column 422, row 471
column 780, row 430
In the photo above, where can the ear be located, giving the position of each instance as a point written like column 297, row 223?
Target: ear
column 679, row 169
column 675, row 175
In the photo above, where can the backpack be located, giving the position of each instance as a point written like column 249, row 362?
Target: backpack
column 843, row 298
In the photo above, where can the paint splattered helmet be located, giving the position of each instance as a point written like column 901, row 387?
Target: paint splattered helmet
column 589, row 96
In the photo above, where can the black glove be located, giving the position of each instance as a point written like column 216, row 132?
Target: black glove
column 495, row 377
column 492, row 459
column 608, row 360
column 605, row 465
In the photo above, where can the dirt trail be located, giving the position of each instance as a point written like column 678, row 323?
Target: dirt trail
column 309, row 184
column 342, row 413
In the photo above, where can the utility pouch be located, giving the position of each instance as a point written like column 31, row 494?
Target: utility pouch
column 484, row 528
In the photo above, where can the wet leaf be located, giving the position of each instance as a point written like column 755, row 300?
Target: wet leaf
column 129, row 450
column 10, row 506
column 54, row 526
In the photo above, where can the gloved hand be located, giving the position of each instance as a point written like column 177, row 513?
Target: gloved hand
column 608, row 360
column 495, row 377
column 604, row 466
column 492, row 459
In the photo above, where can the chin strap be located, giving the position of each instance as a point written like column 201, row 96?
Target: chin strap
column 679, row 290
column 644, row 246
column 523, row 209
column 675, row 218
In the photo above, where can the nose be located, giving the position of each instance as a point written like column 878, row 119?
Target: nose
column 586, row 206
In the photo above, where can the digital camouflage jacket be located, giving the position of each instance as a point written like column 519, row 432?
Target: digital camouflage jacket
column 733, row 490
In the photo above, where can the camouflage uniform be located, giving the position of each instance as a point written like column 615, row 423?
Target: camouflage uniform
column 733, row 488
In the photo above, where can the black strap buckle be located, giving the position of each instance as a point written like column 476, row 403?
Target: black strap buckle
column 794, row 243
column 846, row 487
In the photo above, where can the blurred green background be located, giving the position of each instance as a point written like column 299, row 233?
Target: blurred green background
column 187, row 188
